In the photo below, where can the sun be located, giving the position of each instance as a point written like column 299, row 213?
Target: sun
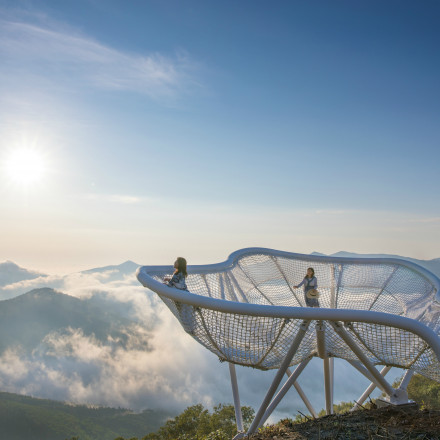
column 25, row 167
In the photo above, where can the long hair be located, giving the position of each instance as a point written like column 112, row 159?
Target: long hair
column 313, row 271
column 181, row 266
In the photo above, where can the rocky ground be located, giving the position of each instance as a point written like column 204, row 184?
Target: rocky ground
column 389, row 423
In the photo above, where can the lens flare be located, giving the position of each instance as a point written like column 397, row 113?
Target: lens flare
column 25, row 167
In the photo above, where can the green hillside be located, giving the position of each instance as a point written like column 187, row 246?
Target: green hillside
column 27, row 418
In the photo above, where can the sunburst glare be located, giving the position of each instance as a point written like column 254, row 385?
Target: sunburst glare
column 25, row 167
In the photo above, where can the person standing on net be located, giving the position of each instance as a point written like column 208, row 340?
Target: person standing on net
column 310, row 284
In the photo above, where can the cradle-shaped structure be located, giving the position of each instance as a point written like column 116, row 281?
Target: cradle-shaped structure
column 248, row 312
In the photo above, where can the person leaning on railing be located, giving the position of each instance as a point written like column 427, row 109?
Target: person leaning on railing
column 179, row 275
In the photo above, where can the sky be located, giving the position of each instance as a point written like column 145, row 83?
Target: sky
column 143, row 130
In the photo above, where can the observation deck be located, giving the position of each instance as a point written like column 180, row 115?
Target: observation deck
column 247, row 311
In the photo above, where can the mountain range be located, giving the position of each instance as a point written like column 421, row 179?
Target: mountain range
column 11, row 273
column 431, row 265
column 26, row 320
column 97, row 337
column 12, row 276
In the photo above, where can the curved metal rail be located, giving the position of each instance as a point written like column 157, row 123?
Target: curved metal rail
column 237, row 310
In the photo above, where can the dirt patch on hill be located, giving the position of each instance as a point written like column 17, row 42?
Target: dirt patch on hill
column 389, row 423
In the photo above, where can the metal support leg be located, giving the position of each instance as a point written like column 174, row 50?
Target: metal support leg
column 327, row 387
column 289, row 382
column 280, row 373
column 332, row 379
column 389, row 390
column 402, row 393
column 238, row 415
column 320, row 340
column 303, row 396
column 306, row 401
column 406, row 379
column 366, row 373
column 369, row 390
column 322, row 353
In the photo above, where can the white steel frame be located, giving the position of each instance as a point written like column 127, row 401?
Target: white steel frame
column 333, row 317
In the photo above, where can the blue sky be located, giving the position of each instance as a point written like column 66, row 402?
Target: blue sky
column 196, row 128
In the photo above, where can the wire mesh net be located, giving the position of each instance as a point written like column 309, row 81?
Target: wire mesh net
column 269, row 279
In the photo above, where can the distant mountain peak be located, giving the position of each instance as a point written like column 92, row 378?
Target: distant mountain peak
column 43, row 293
column 358, row 255
column 9, row 265
column 125, row 267
column 431, row 265
column 11, row 272
column 129, row 263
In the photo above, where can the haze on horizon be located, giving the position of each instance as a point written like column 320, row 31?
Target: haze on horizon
column 148, row 130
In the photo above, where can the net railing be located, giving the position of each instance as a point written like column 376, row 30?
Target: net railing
column 365, row 288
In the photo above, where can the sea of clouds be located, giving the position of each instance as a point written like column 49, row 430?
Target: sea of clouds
column 157, row 366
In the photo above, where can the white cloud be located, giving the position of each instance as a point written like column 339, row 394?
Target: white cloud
column 334, row 212
column 147, row 370
column 124, row 199
column 158, row 364
column 20, row 287
column 48, row 50
column 433, row 220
